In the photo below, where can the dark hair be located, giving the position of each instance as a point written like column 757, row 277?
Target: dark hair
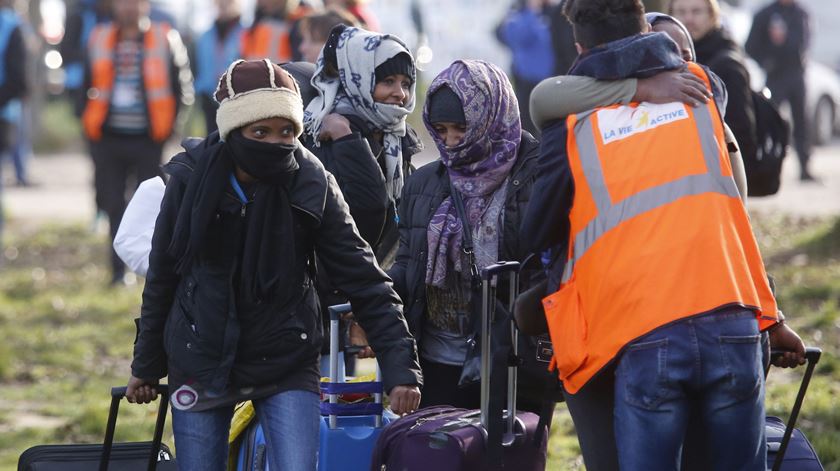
column 597, row 22
column 330, row 60
column 318, row 25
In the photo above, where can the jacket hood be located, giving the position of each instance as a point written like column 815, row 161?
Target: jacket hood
column 638, row 56
column 308, row 192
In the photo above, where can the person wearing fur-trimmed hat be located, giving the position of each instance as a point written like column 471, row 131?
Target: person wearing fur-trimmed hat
column 229, row 309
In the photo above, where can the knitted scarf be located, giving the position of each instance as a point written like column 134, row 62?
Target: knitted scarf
column 358, row 53
column 477, row 167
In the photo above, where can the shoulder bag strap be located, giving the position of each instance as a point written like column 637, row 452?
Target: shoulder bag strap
column 466, row 237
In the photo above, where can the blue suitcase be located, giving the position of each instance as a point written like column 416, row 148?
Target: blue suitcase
column 252, row 449
column 787, row 447
column 348, row 431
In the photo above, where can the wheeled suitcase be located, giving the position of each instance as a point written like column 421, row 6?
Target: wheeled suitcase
column 787, row 447
column 116, row 456
column 252, row 449
column 348, row 431
column 449, row 439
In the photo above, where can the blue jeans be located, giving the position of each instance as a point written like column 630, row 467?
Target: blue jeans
column 290, row 421
column 706, row 367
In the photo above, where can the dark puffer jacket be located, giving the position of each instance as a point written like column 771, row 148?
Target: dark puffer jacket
column 357, row 164
column 725, row 58
column 422, row 195
column 194, row 324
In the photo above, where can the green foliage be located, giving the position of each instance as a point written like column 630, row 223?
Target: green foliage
column 68, row 339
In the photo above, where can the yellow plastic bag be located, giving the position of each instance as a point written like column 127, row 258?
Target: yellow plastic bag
column 242, row 418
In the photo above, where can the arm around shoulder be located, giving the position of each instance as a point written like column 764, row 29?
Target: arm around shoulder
column 564, row 95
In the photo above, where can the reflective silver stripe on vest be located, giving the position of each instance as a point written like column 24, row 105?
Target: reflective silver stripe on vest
column 612, row 215
column 585, row 137
column 96, row 44
column 160, row 51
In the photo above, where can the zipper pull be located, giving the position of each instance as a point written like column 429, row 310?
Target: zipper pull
column 242, row 212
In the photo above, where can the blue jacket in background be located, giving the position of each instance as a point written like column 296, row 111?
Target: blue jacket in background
column 528, row 36
column 213, row 55
column 10, row 87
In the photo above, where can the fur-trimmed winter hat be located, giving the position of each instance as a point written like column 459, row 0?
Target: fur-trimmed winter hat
column 253, row 90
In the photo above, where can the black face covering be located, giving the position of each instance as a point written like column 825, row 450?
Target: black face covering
column 269, row 248
column 267, row 162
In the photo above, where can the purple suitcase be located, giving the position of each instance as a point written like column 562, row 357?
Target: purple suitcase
column 451, row 439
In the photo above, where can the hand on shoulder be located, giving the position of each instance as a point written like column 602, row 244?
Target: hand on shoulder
column 334, row 127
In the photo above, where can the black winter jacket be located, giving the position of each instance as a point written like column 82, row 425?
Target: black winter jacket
column 786, row 58
column 249, row 344
column 422, row 195
column 356, row 163
column 725, row 58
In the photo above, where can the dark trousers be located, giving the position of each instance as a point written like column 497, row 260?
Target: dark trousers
column 440, row 387
column 790, row 88
column 120, row 163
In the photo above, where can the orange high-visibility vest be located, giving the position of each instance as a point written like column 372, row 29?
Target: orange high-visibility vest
column 271, row 38
column 268, row 39
column 160, row 100
column 658, row 232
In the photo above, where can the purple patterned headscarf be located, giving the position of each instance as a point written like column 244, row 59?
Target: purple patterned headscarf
column 479, row 165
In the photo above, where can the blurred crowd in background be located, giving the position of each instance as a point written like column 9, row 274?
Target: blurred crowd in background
column 49, row 56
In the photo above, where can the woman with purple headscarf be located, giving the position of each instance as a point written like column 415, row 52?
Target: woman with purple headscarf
column 489, row 161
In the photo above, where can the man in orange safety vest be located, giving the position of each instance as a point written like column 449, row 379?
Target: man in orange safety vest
column 654, row 269
column 136, row 77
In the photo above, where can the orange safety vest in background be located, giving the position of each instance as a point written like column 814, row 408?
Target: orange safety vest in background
column 156, row 70
column 267, row 39
column 658, row 232
column 270, row 38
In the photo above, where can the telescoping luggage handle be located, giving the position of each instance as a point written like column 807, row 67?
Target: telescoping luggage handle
column 489, row 274
column 812, row 355
column 334, row 387
column 116, row 396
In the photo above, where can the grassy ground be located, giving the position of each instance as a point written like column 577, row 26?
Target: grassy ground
column 67, row 338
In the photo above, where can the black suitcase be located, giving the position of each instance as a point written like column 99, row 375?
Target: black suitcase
column 787, row 447
column 495, row 437
column 119, row 456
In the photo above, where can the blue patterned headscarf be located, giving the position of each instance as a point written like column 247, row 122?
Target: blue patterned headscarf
column 477, row 167
column 358, row 52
